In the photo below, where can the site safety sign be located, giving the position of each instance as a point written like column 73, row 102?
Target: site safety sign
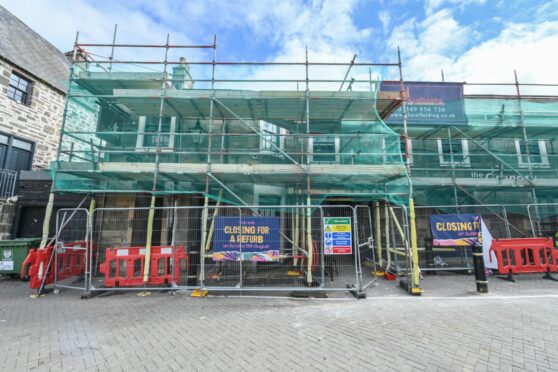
column 338, row 236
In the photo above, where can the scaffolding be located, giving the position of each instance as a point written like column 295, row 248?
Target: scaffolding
column 168, row 128
column 505, row 153
column 290, row 134
column 130, row 130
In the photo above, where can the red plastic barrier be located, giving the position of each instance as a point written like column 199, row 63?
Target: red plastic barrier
column 123, row 267
column 27, row 263
column 37, row 261
column 70, row 259
column 525, row 255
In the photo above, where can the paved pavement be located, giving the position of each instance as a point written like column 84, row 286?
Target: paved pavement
column 515, row 327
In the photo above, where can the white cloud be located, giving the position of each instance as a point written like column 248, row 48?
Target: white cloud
column 431, row 6
column 529, row 49
column 327, row 27
column 440, row 43
column 431, row 44
column 385, row 18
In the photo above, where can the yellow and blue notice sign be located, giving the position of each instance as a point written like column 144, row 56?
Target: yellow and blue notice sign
column 338, row 239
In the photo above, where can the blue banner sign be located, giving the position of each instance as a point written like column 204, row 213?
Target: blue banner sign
column 455, row 229
column 247, row 239
column 429, row 103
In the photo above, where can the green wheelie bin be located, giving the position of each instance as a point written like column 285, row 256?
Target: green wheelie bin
column 13, row 253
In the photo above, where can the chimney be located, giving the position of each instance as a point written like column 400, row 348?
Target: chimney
column 181, row 78
column 80, row 61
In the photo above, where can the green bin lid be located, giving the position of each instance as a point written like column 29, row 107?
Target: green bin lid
column 19, row 242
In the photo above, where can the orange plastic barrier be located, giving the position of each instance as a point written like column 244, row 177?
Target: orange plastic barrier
column 525, row 255
column 36, row 267
column 123, row 267
column 70, row 260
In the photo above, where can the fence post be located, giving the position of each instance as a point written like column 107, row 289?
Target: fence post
column 355, row 244
column 89, row 247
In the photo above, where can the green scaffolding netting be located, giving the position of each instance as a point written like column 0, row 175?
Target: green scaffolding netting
column 124, row 134
column 247, row 146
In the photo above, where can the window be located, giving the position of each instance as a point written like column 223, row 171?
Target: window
column 324, row 149
column 271, row 138
column 457, row 148
column 15, row 154
column 148, row 128
column 19, row 89
column 537, row 151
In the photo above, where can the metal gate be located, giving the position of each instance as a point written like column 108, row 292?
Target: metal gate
column 71, row 249
column 365, row 246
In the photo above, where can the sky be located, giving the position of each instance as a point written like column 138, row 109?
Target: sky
column 470, row 40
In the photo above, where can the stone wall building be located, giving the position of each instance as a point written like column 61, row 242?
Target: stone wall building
column 33, row 82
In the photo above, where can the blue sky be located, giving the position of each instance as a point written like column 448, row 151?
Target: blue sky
column 471, row 40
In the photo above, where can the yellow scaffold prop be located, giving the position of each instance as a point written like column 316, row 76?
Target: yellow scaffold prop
column 148, row 242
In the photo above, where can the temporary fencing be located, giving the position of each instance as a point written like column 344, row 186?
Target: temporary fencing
column 71, row 248
column 393, row 244
column 255, row 248
column 458, row 258
column 217, row 248
column 543, row 218
column 366, row 248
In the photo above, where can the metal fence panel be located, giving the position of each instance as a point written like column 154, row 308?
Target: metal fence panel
column 365, row 243
column 433, row 258
column 213, row 248
column 221, row 273
column 70, row 250
column 342, row 271
column 543, row 219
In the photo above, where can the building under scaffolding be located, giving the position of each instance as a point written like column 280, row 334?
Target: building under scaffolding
column 166, row 133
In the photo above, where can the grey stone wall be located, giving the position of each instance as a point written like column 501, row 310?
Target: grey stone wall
column 38, row 122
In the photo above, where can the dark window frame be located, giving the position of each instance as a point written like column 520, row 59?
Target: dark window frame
column 10, row 145
column 19, row 92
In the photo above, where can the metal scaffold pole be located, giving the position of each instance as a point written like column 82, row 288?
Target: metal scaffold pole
column 308, row 190
column 377, row 223
column 205, row 212
column 527, row 150
column 151, row 215
column 413, row 287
